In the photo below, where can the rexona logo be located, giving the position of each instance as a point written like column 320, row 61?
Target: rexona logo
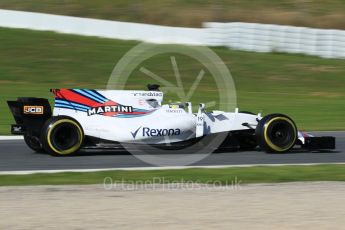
column 29, row 109
column 110, row 109
column 148, row 132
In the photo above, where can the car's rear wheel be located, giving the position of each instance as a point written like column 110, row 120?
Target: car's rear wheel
column 276, row 133
column 62, row 136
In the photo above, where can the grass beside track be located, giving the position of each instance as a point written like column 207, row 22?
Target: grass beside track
column 221, row 176
column 309, row 89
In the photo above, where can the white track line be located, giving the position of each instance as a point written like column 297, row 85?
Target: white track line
column 8, row 138
column 28, row 172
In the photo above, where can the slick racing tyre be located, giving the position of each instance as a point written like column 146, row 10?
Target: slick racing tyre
column 33, row 143
column 276, row 133
column 62, row 136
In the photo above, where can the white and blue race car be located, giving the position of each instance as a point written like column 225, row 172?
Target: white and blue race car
column 85, row 118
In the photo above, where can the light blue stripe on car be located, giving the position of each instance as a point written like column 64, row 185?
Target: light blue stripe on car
column 85, row 94
column 71, row 104
column 98, row 95
column 61, row 106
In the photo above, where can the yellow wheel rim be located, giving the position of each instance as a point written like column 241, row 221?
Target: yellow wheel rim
column 70, row 150
column 269, row 142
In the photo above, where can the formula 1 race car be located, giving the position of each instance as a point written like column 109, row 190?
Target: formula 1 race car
column 84, row 118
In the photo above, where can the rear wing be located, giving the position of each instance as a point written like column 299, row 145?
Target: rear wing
column 29, row 114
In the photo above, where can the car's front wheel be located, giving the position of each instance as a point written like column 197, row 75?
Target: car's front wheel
column 276, row 133
column 62, row 136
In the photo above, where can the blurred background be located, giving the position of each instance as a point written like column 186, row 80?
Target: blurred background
column 192, row 13
column 307, row 86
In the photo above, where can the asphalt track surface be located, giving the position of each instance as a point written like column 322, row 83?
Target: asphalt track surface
column 15, row 156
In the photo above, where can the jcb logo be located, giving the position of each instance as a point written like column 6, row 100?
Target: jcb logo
column 33, row 109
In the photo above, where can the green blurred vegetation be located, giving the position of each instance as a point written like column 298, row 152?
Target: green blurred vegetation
column 309, row 89
column 313, row 13
column 222, row 176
